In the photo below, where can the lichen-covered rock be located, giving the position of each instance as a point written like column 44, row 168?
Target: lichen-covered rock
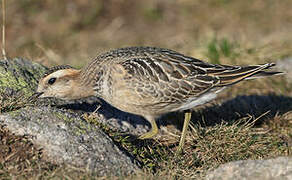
column 271, row 169
column 68, row 139
column 19, row 75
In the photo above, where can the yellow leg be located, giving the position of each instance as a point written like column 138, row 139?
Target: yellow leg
column 184, row 131
column 153, row 132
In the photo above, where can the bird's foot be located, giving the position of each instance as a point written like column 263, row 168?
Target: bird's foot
column 149, row 134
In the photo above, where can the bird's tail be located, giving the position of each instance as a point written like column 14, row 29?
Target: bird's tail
column 246, row 72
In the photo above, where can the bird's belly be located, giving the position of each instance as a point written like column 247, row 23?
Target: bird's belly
column 196, row 101
column 128, row 101
column 203, row 99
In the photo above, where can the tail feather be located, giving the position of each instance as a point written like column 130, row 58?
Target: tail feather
column 262, row 74
column 242, row 73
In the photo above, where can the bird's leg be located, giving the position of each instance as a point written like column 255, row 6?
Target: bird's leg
column 184, row 131
column 152, row 132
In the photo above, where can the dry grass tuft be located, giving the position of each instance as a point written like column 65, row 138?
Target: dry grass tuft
column 14, row 101
column 19, row 157
column 11, row 103
column 4, row 29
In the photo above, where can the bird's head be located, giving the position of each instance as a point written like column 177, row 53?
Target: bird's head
column 62, row 82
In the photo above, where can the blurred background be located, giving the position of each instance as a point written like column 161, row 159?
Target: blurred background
column 219, row 31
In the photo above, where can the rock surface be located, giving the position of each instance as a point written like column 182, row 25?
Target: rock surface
column 68, row 139
column 272, row 169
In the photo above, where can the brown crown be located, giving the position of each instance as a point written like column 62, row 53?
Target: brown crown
column 56, row 68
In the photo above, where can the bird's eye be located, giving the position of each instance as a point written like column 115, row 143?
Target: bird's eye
column 51, row 81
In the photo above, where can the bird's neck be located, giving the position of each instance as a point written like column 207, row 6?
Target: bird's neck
column 80, row 89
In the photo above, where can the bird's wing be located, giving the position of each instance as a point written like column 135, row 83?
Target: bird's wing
column 186, row 76
column 176, row 78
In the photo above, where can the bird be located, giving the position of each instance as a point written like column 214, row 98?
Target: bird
column 147, row 81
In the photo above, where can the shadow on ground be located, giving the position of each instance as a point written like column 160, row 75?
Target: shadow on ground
column 265, row 107
column 91, row 104
column 229, row 111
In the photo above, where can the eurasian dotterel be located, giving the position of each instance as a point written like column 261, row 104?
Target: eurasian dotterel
column 147, row 81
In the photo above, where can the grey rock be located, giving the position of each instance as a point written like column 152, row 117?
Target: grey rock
column 271, row 169
column 68, row 139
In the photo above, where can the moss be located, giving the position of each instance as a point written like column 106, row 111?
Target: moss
column 7, row 80
column 63, row 116
column 18, row 81
column 20, row 75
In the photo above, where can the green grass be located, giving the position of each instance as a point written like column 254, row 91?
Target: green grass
column 217, row 49
column 153, row 14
